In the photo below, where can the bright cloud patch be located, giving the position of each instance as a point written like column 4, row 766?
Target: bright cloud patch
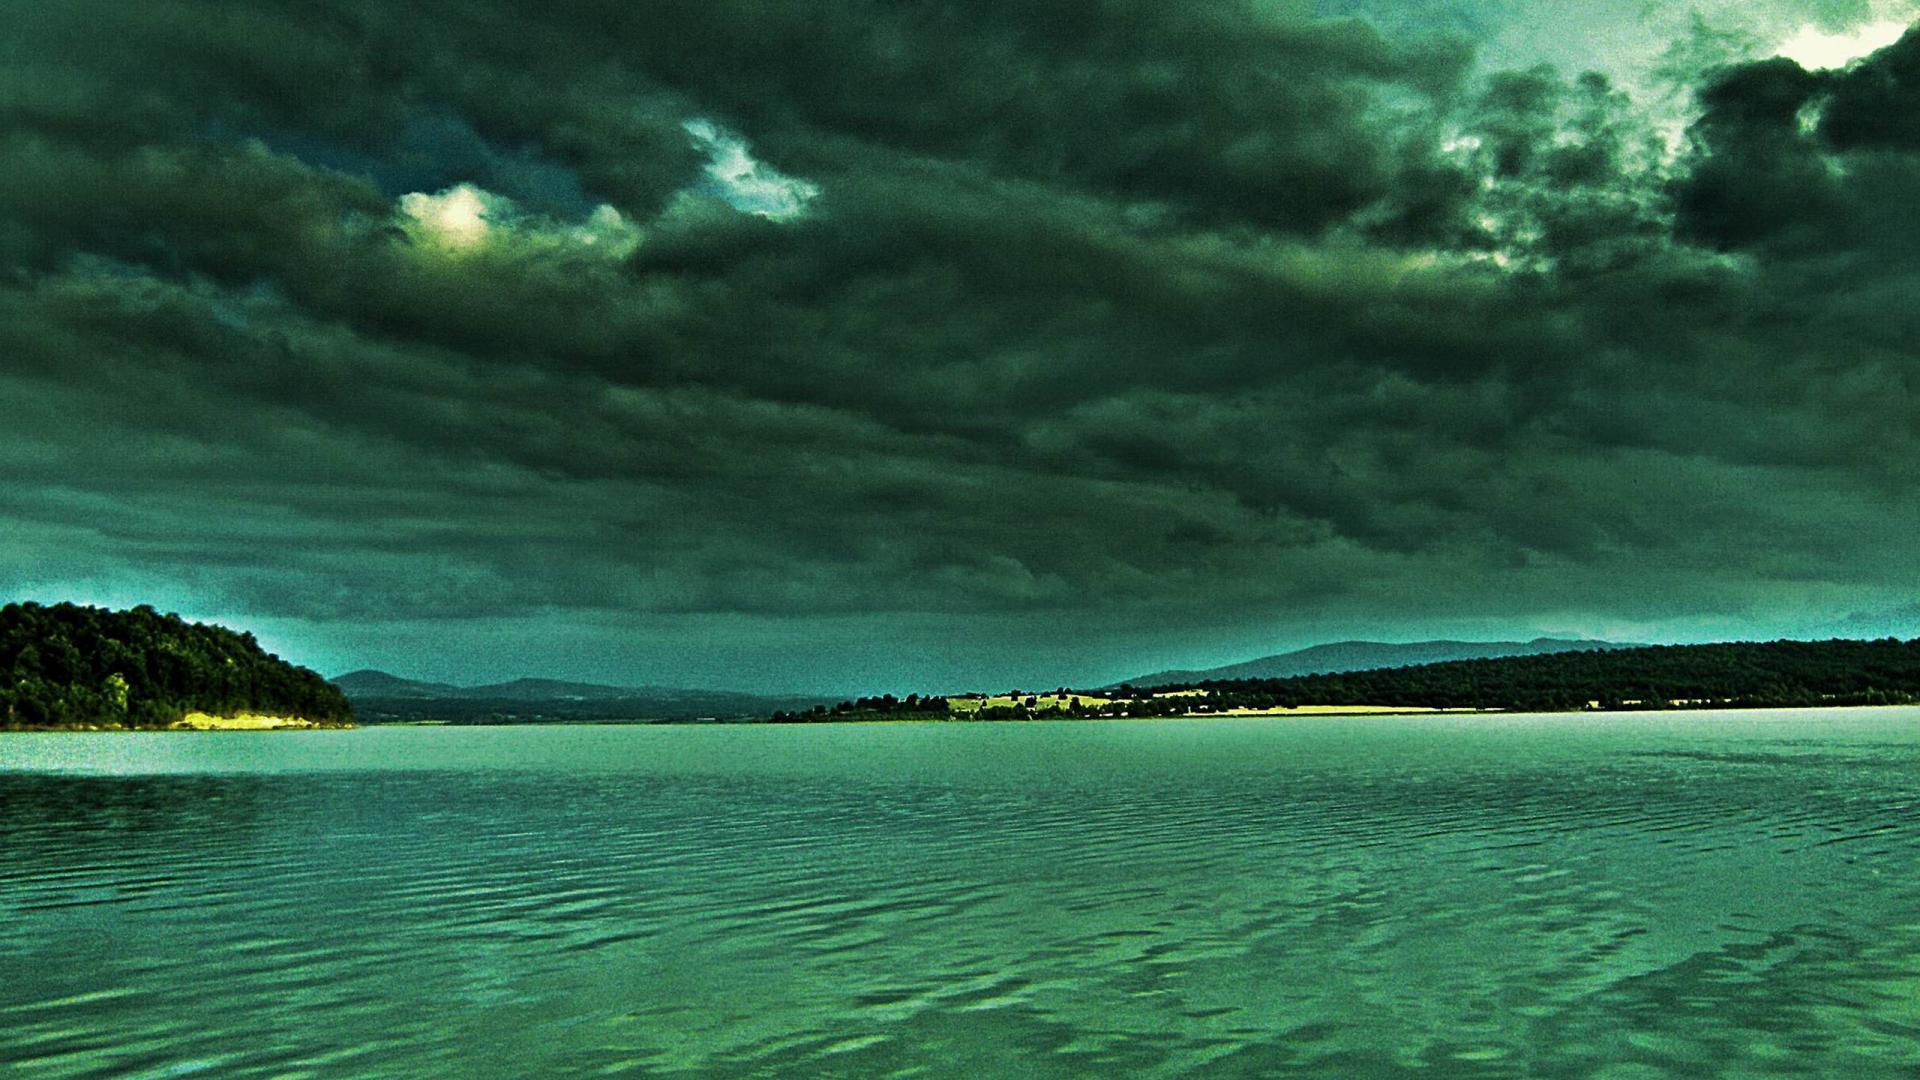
column 1814, row 49
column 748, row 185
column 466, row 218
column 455, row 218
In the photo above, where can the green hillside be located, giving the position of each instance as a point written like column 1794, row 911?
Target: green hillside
column 1735, row 674
column 1732, row 675
column 64, row 665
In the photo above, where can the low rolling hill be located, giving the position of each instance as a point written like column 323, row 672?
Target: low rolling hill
column 379, row 697
column 1342, row 656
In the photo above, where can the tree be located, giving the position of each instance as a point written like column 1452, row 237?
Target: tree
column 116, row 693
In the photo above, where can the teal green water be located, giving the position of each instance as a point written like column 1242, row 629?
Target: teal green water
column 1639, row 896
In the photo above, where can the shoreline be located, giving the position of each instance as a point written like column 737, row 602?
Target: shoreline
column 1324, row 712
column 1316, row 712
column 199, row 721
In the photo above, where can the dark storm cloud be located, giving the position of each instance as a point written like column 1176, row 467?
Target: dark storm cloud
column 1146, row 314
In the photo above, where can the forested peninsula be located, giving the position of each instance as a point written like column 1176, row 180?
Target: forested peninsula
column 71, row 666
column 1733, row 675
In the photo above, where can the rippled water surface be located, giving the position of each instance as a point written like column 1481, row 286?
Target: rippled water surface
column 1679, row 895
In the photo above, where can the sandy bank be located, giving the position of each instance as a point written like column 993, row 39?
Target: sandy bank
column 199, row 721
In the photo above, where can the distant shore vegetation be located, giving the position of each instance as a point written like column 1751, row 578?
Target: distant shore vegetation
column 71, row 666
column 1773, row 674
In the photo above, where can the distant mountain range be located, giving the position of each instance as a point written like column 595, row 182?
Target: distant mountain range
column 380, row 697
column 1342, row 656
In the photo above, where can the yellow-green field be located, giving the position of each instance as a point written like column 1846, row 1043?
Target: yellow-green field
column 1062, row 702
column 1033, row 701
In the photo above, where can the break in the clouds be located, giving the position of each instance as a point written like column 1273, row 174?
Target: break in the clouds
column 748, row 185
column 875, row 345
column 1816, row 49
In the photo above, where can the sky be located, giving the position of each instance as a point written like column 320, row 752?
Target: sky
column 862, row 346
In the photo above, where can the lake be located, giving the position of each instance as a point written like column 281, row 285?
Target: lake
column 1683, row 894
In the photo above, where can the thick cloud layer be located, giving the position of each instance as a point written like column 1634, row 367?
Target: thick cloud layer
column 885, row 344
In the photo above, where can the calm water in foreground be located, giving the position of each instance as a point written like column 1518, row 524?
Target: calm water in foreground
column 1731, row 894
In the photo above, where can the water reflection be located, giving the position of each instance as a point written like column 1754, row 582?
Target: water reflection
column 1048, row 900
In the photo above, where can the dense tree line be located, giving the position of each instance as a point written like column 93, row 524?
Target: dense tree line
column 879, row 707
column 66, row 665
column 1733, row 675
column 1741, row 674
